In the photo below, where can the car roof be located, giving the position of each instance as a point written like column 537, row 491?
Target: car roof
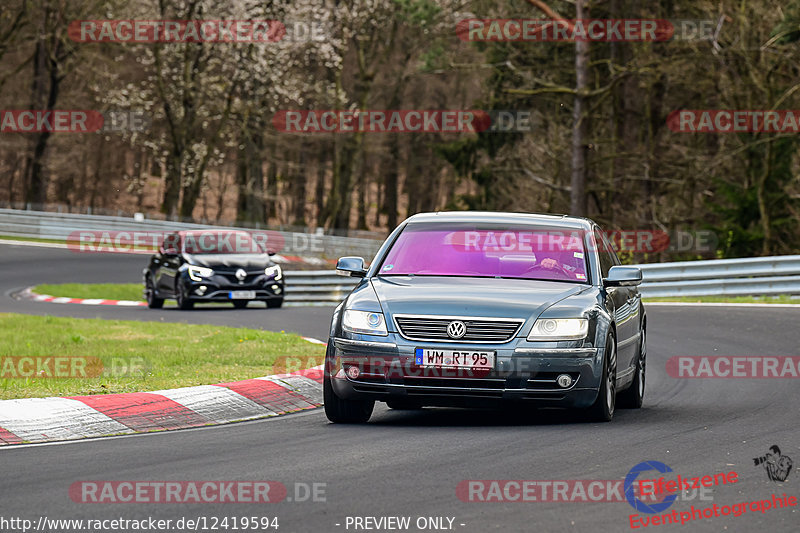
column 565, row 221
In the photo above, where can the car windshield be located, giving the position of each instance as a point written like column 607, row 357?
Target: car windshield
column 521, row 252
column 220, row 242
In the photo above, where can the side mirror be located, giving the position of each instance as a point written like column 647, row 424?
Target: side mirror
column 623, row 276
column 351, row 266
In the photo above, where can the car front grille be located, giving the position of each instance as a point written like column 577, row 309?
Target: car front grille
column 229, row 274
column 233, row 280
column 434, row 328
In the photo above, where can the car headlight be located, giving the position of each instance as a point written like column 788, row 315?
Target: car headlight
column 274, row 270
column 365, row 322
column 197, row 273
column 555, row 329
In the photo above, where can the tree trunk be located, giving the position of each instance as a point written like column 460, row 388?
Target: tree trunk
column 297, row 183
column 763, row 211
column 319, row 188
column 579, row 126
column 391, row 174
column 362, row 192
column 250, row 178
column 273, row 174
column 347, row 164
column 44, row 94
column 172, row 183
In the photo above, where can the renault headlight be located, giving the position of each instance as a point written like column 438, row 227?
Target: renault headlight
column 365, row 322
column 274, row 270
column 197, row 273
column 559, row 329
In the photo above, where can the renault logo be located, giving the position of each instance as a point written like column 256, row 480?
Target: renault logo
column 241, row 274
column 456, row 329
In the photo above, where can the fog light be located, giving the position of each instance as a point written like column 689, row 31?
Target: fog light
column 276, row 289
column 201, row 290
column 353, row 372
column 564, row 381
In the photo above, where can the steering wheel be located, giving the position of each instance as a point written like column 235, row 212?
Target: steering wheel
column 539, row 268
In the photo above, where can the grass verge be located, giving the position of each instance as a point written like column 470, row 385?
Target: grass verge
column 31, row 239
column 139, row 356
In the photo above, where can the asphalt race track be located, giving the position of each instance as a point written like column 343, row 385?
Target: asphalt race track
column 24, row 266
column 410, row 463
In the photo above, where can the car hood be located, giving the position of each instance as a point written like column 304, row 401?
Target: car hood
column 484, row 297
column 220, row 261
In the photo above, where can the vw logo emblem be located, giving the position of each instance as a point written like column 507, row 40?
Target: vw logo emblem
column 241, row 274
column 456, row 329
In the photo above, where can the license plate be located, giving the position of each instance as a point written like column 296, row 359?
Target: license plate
column 426, row 357
column 242, row 295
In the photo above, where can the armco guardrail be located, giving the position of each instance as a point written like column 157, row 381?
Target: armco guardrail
column 59, row 226
column 317, row 287
column 725, row 277
column 755, row 276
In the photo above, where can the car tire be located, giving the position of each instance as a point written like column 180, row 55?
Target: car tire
column 150, row 294
column 240, row 304
column 183, row 301
column 603, row 408
column 275, row 303
column 341, row 411
column 404, row 405
column 633, row 396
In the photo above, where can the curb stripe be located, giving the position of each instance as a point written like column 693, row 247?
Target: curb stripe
column 6, row 437
column 37, row 420
column 218, row 404
column 314, row 374
column 269, row 394
column 307, row 388
column 43, row 419
column 28, row 294
column 144, row 411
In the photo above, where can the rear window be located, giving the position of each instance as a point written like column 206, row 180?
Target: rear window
column 521, row 252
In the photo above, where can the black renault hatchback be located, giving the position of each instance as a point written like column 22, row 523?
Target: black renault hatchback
column 212, row 266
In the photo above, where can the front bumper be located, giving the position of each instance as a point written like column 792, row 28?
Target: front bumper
column 524, row 372
column 217, row 288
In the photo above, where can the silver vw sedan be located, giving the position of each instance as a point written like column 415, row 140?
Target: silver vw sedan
column 479, row 309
